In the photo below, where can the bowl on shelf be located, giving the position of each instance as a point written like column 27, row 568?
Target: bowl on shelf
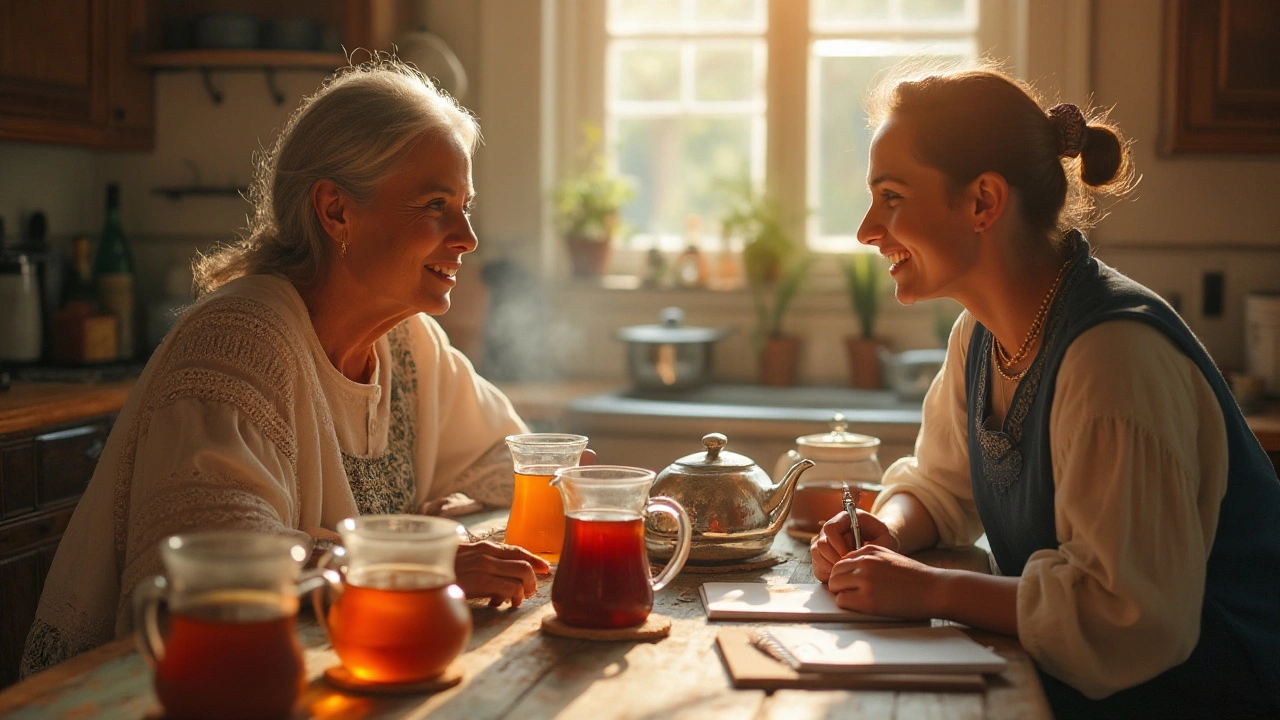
column 225, row 31
column 292, row 33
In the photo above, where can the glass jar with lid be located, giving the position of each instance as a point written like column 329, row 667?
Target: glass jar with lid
column 841, row 457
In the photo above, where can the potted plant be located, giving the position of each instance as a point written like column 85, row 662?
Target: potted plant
column 776, row 268
column 587, row 206
column 864, row 278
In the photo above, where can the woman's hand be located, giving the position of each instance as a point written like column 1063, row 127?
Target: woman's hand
column 879, row 581
column 836, row 540
column 501, row 573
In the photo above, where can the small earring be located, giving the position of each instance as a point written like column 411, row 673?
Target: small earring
column 342, row 249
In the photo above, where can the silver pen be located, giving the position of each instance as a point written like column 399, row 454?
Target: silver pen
column 853, row 516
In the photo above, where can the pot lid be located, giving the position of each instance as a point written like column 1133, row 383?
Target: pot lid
column 670, row 330
column 838, row 444
column 715, row 457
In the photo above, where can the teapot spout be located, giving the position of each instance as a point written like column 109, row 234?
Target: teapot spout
column 779, row 503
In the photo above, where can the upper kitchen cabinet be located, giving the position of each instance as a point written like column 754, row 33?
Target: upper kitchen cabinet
column 1222, row 76
column 68, row 73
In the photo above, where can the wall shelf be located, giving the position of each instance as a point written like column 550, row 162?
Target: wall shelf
column 243, row 60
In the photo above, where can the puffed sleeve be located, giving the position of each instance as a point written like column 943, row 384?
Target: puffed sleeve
column 462, row 422
column 938, row 474
column 1140, row 465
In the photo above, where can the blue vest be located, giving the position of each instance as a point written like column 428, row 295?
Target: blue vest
column 1013, row 487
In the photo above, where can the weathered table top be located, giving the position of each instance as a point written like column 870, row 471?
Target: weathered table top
column 511, row 669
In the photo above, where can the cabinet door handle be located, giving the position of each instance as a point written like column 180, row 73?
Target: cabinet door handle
column 94, row 449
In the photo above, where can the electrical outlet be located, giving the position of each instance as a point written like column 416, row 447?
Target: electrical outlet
column 1214, row 283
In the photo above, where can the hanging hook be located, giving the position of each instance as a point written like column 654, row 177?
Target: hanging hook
column 272, row 88
column 215, row 95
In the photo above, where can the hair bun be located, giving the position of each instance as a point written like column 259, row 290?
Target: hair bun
column 1070, row 125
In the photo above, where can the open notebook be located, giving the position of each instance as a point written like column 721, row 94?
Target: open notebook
column 878, row 650
column 811, row 602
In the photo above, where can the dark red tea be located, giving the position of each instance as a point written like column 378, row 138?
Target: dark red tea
column 231, row 655
column 399, row 623
column 603, row 577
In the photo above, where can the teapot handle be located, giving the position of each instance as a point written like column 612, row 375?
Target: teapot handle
column 325, row 583
column 667, row 506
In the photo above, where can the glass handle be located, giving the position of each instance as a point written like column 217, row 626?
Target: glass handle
column 667, row 506
column 146, row 599
column 324, row 582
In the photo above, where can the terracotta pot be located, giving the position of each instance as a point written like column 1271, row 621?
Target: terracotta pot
column 864, row 361
column 590, row 256
column 779, row 360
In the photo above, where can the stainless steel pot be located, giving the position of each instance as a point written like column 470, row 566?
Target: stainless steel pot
column 669, row 355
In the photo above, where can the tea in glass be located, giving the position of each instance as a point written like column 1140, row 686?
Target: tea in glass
column 397, row 615
column 537, row 516
column 398, row 623
column 230, row 649
column 603, row 578
column 817, row 503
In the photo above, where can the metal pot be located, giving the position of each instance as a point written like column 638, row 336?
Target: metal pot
column 669, row 355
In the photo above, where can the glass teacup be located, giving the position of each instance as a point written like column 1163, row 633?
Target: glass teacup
column 537, row 514
column 231, row 649
column 603, row 578
column 395, row 614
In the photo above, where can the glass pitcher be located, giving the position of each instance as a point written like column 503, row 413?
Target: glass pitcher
column 603, row 578
column 537, row 514
column 395, row 614
column 231, row 649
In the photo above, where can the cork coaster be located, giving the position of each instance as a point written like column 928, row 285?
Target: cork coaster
column 656, row 627
column 759, row 562
column 341, row 678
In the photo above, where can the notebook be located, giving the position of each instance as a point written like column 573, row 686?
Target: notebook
column 809, row 602
column 751, row 669
column 878, row 650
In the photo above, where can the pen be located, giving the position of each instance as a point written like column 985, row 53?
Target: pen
column 853, row 517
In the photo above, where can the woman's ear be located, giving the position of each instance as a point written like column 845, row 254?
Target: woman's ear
column 989, row 195
column 330, row 204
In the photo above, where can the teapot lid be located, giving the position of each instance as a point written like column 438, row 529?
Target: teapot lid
column 715, row 456
column 838, row 444
column 671, row 330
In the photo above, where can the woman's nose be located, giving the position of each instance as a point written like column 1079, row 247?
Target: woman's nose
column 871, row 230
column 464, row 239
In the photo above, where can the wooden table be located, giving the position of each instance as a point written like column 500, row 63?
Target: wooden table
column 513, row 670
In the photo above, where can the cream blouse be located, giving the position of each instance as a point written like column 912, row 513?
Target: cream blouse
column 1139, row 453
column 240, row 421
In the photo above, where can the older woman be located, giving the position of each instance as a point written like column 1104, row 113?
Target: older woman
column 308, row 383
column 1077, row 421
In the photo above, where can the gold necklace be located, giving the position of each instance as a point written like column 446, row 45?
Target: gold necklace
column 1001, row 356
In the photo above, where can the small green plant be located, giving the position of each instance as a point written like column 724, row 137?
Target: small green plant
column 863, row 278
column 587, row 204
column 776, row 265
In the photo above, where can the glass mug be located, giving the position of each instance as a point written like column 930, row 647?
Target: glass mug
column 603, row 578
column 537, row 513
column 231, row 649
column 395, row 614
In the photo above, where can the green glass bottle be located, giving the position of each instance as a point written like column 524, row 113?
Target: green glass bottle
column 113, row 272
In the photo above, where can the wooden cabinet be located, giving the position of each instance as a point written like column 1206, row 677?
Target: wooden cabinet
column 43, row 472
column 68, row 73
column 1222, row 76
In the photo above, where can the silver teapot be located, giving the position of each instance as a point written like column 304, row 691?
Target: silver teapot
column 735, row 508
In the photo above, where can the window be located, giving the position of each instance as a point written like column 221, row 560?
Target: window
column 701, row 94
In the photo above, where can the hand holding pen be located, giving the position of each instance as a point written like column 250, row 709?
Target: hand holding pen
column 853, row 517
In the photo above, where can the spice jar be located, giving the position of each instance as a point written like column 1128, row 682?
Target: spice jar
column 841, row 457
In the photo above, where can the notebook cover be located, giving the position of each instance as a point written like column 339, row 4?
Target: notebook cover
column 803, row 602
column 887, row 649
column 751, row 669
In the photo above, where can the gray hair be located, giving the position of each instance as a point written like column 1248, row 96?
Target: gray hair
column 353, row 131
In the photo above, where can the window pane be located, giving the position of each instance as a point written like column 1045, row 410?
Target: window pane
column 727, row 71
column 849, row 12
column 636, row 15
column 648, row 72
column 736, row 13
column 933, row 11
column 839, row 136
column 679, row 164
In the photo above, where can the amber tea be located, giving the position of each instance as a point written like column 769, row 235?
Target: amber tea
column 603, row 578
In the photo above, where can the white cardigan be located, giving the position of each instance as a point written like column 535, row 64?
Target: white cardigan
column 1139, row 454
column 240, row 421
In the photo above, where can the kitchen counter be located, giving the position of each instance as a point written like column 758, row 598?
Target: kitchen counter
column 28, row 405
